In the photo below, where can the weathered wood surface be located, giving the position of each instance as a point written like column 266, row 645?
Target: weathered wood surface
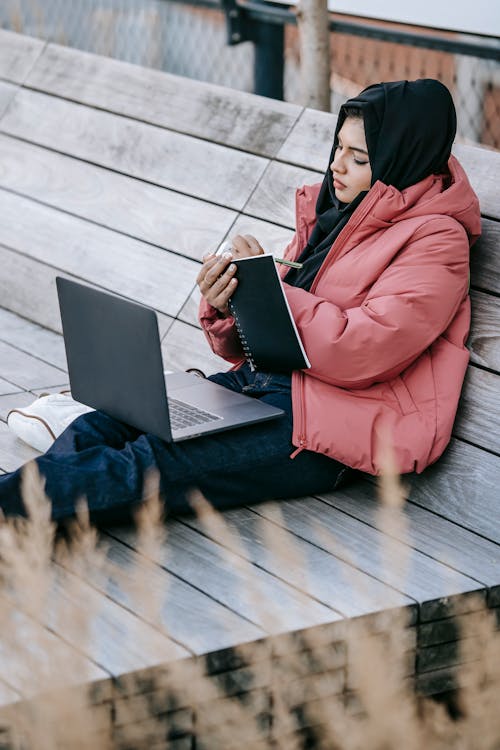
column 433, row 535
column 163, row 218
column 217, row 114
column 485, row 268
column 484, row 339
column 463, row 487
column 82, row 249
column 395, row 564
column 477, row 419
column 198, row 560
column 123, row 177
column 18, row 55
column 173, row 160
column 7, row 92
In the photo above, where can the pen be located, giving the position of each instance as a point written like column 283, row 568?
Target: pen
column 290, row 263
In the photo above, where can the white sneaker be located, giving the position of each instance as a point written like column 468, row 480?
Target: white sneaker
column 40, row 423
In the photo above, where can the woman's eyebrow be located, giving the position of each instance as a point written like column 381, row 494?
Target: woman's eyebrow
column 354, row 148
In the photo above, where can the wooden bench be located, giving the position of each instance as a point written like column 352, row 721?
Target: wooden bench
column 122, row 177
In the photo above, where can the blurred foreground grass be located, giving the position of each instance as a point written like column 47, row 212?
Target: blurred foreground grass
column 353, row 694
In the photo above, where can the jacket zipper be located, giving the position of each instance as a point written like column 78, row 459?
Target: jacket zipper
column 302, row 436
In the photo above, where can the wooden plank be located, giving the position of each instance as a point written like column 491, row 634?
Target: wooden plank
column 185, row 346
column 7, row 93
column 31, row 655
column 451, row 628
column 485, row 258
column 113, row 637
column 438, row 657
column 484, row 339
column 274, row 197
column 18, row 54
column 39, row 302
column 418, row 576
column 14, row 401
column 93, row 254
column 479, row 410
column 306, row 566
column 180, row 162
column 483, row 170
column 216, row 113
column 310, row 141
column 433, row 535
column 13, row 452
column 177, row 222
column 7, row 387
column 254, row 594
column 26, row 371
column 463, row 487
column 32, row 339
column 189, row 616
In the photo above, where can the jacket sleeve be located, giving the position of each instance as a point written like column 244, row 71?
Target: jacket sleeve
column 409, row 306
column 221, row 333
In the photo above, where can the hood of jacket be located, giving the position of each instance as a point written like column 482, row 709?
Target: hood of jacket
column 448, row 194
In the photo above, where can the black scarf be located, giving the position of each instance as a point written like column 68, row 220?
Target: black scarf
column 409, row 127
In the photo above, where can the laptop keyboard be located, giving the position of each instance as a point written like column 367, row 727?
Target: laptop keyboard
column 185, row 415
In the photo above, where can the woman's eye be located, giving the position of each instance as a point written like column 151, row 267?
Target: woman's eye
column 357, row 161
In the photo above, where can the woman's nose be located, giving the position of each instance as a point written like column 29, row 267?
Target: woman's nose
column 337, row 164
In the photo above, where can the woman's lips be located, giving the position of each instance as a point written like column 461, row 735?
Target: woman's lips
column 338, row 185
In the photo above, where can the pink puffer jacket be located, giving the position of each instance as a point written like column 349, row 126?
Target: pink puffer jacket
column 384, row 325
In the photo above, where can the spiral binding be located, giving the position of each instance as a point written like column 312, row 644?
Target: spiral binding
column 244, row 343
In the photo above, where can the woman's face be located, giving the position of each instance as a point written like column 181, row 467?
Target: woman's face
column 350, row 166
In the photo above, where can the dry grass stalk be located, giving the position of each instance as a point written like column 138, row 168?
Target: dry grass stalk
column 151, row 538
column 29, row 584
column 303, row 687
column 233, row 551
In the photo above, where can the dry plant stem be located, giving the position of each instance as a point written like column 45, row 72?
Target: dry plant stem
column 233, row 551
column 391, row 520
column 479, row 679
column 390, row 717
column 151, row 538
column 29, row 581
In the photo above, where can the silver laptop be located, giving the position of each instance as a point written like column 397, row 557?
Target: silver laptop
column 115, row 365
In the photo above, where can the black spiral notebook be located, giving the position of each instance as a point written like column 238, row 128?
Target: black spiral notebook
column 263, row 319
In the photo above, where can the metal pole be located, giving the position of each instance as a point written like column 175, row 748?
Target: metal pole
column 269, row 63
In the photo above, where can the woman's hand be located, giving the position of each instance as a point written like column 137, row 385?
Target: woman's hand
column 216, row 279
column 245, row 245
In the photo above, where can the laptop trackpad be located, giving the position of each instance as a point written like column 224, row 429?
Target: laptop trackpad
column 201, row 392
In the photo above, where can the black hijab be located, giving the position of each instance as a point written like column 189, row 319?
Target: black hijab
column 409, row 127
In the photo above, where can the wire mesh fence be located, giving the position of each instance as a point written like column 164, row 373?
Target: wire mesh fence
column 191, row 40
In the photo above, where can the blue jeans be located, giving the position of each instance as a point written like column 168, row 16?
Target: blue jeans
column 107, row 461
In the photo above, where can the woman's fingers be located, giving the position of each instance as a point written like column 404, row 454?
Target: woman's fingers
column 255, row 246
column 212, row 267
column 246, row 245
column 215, row 281
column 221, row 298
column 216, row 276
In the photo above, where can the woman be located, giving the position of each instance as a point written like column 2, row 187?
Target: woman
column 381, row 304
